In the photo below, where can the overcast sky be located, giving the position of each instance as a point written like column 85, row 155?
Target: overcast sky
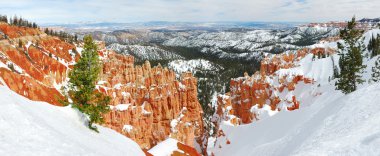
column 125, row 11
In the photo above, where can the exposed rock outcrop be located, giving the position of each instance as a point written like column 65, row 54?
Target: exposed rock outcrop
column 148, row 103
column 266, row 91
column 36, row 67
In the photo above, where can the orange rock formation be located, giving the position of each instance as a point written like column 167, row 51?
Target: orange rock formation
column 148, row 104
column 150, row 101
column 259, row 89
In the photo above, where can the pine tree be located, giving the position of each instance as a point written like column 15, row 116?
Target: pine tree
column 351, row 59
column 83, row 79
column 76, row 38
column 34, row 25
column 376, row 71
column 15, row 20
column 374, row 45
column 47, row 31
column 4, row 18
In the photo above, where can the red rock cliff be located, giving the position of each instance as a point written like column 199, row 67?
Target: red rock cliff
column 148, row 103
column 264, row 90
column 35, row 68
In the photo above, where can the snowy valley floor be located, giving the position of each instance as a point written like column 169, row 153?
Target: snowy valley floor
column 38, row 128
column 332, row 125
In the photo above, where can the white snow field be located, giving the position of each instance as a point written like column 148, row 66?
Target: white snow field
column 164, row 148
column 38, row 128
column 348, row 125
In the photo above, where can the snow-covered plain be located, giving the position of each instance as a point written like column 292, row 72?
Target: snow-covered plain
column 38, row 128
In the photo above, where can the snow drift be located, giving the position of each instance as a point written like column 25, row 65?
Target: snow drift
column 330, row 126
column 39, row 128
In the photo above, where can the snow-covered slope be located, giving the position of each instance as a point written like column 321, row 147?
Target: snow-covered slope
column 193, row 66
column 327, row 123
column 38, row 128
column 172, row 147
column 256, row 40
column 332, row 125
column 164, row 148
column 142, row 53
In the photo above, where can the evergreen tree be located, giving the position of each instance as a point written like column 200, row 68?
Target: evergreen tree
column 15, row 20
column 374, row 45
column 351, row 59
column 83, row 79
column 34, row 25
column 4, row 18
column 76, row 38
column 47, row 31
column 376, row 71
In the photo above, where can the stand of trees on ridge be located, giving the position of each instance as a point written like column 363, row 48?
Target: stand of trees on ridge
column 18, row 21
column 62, row 35
column 21, row 22
column 351, row 52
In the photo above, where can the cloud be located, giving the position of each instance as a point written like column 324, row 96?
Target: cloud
column 68, row 11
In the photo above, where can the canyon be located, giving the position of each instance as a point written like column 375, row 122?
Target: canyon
column 159, row 107
column 148, row 103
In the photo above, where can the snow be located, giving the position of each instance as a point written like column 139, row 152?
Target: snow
column 264, row 112
column 328, row 122
column 127, row 128
column 145, row 112
column 117, row 86
column 181, row 66
column 102, row 82
column 164, row 148
column 252, row 41
column 2, row 65
column 28, row 44
column 174, row 122
column 182, row 86
column 332, row 125
column 120, row 107
column 142, row 53
column 38, row 128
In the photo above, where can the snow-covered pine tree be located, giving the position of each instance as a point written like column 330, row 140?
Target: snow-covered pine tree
column 376, row 71
column 351, row 59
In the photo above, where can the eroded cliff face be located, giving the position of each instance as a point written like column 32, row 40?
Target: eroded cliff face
column 267, row 91
column 35, row 67
column 149, row 104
